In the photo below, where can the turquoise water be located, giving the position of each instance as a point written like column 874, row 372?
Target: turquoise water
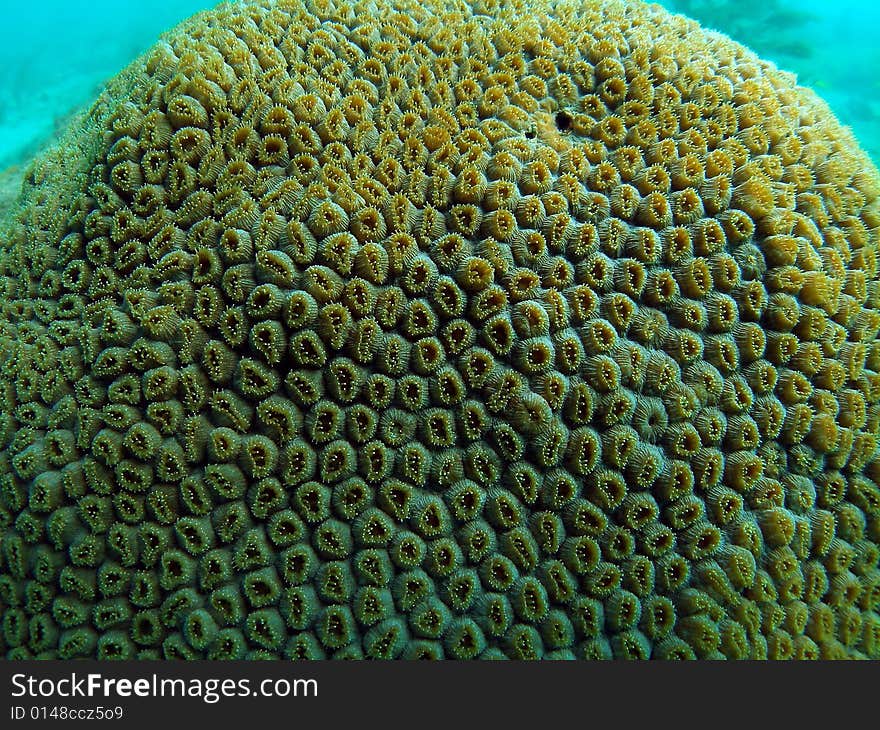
column 55, row 61
column 833, row 47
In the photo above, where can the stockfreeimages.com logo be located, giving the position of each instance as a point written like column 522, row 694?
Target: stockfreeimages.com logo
column 208, row 690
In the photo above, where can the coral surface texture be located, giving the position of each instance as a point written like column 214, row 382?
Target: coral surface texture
column 423, row 329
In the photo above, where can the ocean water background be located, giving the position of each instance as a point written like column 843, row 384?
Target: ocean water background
column 54, row 61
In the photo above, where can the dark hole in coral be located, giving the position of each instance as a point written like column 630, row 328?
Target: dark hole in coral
column 563, row 121
column 262, row 589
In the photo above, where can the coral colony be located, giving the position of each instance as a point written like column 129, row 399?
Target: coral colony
column 407, row 329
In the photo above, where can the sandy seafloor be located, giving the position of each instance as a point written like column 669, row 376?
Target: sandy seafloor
column 55, row 59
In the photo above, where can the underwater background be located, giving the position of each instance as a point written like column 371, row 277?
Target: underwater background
column 663, row 395
column 54, row 62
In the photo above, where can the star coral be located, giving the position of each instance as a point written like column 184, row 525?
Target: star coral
column 403, row 330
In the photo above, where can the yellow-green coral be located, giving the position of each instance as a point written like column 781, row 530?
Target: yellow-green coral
column 404, row 330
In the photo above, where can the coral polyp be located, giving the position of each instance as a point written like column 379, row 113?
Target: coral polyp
column 404, row 329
